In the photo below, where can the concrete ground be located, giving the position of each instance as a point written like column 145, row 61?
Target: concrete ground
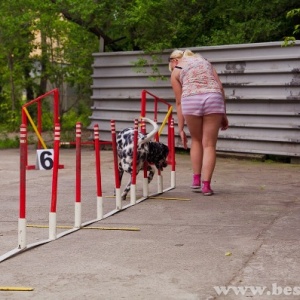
column 180, row 245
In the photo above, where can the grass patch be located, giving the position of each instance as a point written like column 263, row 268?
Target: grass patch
column 182, row 151
column 7, row 143
column 277, row 158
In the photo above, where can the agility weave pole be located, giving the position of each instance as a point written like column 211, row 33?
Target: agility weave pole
column 22, row 223
column 146, row 194
column 98, row 173
column 167, row 119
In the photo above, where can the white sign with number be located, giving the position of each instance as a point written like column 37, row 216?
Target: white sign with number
column 44, row 159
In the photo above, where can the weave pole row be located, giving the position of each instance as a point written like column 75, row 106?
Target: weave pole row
column 99, row 198
column 160, row 189
column 171, row 135
column 22, row 238
column 22, row 223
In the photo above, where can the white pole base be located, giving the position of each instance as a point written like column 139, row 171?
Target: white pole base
column 159, row 184
column 145, row 187
column 118, row 199
column 173, row 179
column 99, row 208
column 52, row 226
column 77, row 215
column 22, row 233
column 132, row 194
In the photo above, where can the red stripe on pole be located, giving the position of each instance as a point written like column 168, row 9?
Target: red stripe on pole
column 115, row 154
column 98, row 160
column 55, row 167
column 23, row 164
column 134, row 155
column 78, row 162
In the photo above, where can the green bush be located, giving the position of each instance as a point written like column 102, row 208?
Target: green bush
column 81, row 114
column 6, row 142
column 10, row 120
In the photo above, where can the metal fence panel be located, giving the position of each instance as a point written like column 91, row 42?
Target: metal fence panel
column 261, row 82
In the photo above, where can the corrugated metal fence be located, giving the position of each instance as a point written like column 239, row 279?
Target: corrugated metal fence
column 261, row 82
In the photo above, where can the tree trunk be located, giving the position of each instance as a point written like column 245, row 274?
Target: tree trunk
column 44, row 59
column 12, row 83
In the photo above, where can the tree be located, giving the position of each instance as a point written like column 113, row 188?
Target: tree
column 15, row 47
column 53, row 40
column 290, row 40
column 38, row 46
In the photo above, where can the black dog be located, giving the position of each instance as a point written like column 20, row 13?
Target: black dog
column 151, row 152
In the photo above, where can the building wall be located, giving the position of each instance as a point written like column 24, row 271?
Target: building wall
column 261, row 82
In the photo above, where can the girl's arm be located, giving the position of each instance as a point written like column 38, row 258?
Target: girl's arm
column 176, row 85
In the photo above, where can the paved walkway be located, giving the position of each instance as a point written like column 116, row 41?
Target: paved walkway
column 246, row 235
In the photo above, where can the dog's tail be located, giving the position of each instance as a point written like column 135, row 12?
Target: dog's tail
column 151, row 134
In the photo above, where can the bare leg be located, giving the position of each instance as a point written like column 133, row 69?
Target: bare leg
column 194, row 124
column 211, row 125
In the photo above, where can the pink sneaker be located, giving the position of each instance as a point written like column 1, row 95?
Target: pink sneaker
column 196, row 181
column 206, row 190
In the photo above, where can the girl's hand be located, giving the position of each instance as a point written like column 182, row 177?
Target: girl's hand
column 183, row 139
column 224, row 122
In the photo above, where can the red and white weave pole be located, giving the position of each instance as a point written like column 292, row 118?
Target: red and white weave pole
column 115, row 154
column 52, row 213
column 134, row 160
column 172, row 150
column 160, row 184
column 78, row 177
column 145, row 178
column 23, row 164
column 98, row 173
column 159, row 175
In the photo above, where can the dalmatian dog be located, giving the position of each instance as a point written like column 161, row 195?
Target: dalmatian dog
column 154, row 153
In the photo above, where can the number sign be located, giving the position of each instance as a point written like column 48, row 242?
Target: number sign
column 44, row 159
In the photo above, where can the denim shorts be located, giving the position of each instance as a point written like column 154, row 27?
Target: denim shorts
column 203, row 104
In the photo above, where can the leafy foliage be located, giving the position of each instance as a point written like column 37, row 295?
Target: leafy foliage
column 7, row 142
column 292, row 14
column 50, row 43
column 81, row 114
